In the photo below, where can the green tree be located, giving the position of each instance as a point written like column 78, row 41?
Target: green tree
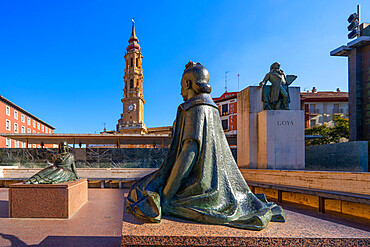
column 329, row 134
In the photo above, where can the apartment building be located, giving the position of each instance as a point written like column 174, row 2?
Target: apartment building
column 319, row 107
column 14, row 119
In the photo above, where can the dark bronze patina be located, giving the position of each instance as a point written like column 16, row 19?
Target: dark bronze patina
column 199, row 179
column 276, row 96
column 62, row 170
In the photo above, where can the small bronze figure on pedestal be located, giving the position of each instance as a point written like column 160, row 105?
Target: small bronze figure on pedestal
column 199, row 179
column 276, row 96
column 62, row 170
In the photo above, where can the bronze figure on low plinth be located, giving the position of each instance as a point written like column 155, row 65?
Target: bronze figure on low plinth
column 62, row 170
column 199, row 179
column 276, row 96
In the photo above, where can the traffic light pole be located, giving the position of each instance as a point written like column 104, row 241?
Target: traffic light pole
column 358, row 13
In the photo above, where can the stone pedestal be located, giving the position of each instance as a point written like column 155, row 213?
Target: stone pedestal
column 307, row 228
column 47, row 200
column 280, row 140
column 249, row 105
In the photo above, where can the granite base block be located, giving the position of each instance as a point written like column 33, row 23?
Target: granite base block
column 300, row 229
column 281, row 140
column 47, row 200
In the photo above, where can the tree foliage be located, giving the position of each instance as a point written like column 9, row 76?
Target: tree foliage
column 329, row 134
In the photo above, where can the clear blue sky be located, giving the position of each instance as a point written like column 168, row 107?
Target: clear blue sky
column 63, row 60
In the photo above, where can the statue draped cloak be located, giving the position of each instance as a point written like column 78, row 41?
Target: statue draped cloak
column 61, row 171
column 213, row 190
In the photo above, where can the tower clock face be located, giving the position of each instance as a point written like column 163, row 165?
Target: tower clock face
column 131, row 107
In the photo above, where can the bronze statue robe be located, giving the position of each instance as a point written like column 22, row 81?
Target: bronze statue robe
column 269, row 95
column 63, row 170
column 213, row 190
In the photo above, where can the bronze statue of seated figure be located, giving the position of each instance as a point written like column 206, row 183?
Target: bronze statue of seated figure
column 199, row 179
column 62, row 170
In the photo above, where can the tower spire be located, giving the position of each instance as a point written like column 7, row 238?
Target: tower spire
column 133, row 34
column 133, row 41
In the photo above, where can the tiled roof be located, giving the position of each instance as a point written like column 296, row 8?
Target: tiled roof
column 226, row 95
column 324, row 96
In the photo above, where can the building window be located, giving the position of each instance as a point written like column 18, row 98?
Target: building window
column 312, row 123
column 8, row 143
column 312, row 109
column 23, row 129
column 22, row 118
column 34, row 123
column 8, row 125
column 225, row 125
column 16, row 144
column 23, row 144
column 15, row 114
column 224, row 109
column 38, row 126
column 137, row 62
column 132, row 62
column 131, row 83
column 34, row 132
column 336, row 109
column 8, row 110
column 50, row 131
column 42, row 128
column 28, row 121
column 28, row 130
column 46, row 129
column 34, row 145
column 15, row 128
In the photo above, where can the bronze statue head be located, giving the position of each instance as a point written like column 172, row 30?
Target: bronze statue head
column 275, row 65
column 194, row 80
column 63, row 147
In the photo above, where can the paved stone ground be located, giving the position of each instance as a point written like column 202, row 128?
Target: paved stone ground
column 99, row 223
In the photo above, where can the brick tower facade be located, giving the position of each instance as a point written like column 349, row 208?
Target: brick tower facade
column 132, row 118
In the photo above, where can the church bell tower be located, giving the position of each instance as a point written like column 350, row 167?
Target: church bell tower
column 132, row 118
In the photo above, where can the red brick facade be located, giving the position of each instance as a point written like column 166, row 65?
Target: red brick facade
column 227, row 105
column 14, row 119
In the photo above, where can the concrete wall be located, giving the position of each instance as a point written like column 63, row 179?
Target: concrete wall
column 351, row 182
column 346, row 156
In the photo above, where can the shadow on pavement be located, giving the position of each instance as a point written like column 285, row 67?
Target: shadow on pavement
column 14, row 241
column 74, row 241
column 80, row 241
column 4, row 209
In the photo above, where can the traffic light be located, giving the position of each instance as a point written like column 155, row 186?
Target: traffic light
column 354, row 22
